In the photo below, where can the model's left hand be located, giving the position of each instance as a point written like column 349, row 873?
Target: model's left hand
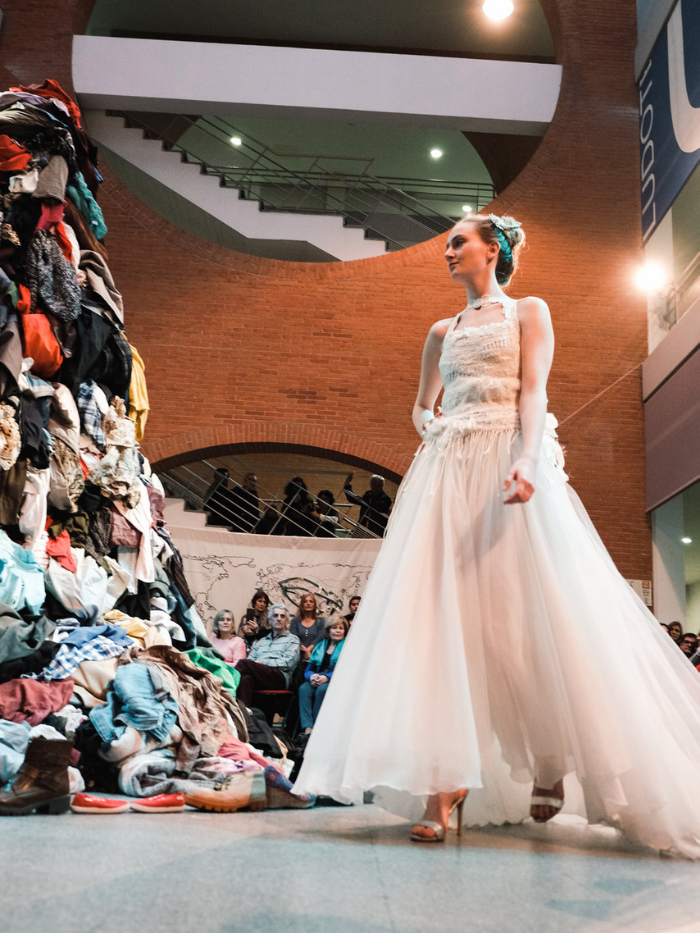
column 522, row 473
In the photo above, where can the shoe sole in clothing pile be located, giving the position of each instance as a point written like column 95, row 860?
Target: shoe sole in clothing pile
column 244, row 791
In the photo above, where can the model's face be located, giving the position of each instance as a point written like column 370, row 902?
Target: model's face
column 466, row 252
column 674, row 630
column 336, row 632
column 279, row 621
column 355, row 604
column 226, row 625
column 260, row 604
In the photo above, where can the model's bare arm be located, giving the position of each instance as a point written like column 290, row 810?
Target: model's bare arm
column 430, row 381
column 537, row 350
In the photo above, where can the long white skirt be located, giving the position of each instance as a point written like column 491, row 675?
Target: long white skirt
column 495, row 644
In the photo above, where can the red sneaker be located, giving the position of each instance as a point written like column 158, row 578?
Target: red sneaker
column 86, row 803
column 161, row 803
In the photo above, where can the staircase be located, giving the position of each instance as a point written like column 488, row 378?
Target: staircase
column 268, row 199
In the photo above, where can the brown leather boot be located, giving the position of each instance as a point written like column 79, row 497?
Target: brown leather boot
column 42, row 783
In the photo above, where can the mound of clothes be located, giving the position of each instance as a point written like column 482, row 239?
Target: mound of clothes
column 107, row 678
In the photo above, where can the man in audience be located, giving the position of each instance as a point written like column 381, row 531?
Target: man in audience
column 374, row 504
column 244, row 505
column 353, row 606
column 272, row 659
column 688, row 644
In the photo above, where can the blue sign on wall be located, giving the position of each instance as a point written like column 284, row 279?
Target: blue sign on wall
column 669, row 114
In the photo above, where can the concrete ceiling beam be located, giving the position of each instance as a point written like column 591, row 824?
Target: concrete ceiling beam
column 315, row 84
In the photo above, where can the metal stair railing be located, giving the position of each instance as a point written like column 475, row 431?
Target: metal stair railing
column 197, row 492
column 389, row 208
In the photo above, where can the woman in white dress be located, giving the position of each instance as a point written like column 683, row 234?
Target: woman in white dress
column 542, row 669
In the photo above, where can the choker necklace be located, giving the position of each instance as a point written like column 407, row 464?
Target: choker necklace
column 484, row 302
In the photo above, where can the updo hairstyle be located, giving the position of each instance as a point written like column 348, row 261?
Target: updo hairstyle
column 508, row 235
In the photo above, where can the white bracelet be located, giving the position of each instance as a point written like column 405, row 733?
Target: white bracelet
column 427, row 415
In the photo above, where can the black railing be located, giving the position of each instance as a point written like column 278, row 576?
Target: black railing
column 210, row 492
column 400, row 211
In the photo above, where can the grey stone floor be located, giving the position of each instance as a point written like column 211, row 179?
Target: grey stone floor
column 329, row 870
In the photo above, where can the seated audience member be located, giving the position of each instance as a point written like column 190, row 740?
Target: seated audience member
column 353, row 606
column 688, row 644
column 217, row 499
column 227, row 643
column 675, row 630
column 320, row 670
column 248, row 631
column 375, row 505
column 308, row 626
column 664, row 626
column 244, row 505
column 272, row 659
column 260, row 604
column 328, row 521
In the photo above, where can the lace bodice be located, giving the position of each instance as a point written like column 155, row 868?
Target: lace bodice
column 480, row 368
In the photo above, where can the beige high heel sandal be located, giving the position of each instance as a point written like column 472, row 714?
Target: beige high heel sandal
column 437, row 828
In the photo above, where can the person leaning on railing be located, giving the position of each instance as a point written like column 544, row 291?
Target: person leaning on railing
column 328, row 521
column 375, row 504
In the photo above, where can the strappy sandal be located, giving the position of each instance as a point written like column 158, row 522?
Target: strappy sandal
column 556, row 803
column 437, row 828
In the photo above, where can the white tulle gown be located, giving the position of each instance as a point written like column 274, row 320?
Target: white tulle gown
column 495, row 644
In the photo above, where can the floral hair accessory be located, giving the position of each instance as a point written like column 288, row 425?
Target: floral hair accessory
column 503, row 223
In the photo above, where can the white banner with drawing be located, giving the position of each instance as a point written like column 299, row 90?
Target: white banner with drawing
column 223, row 570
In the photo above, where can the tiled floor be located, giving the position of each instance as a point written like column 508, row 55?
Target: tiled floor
column 329, row 870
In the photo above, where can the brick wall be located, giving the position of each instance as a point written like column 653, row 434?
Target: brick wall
column 247, row 351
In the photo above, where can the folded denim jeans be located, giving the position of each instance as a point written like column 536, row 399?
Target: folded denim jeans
column 138, row 697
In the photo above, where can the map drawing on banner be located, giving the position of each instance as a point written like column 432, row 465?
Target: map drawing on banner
column 224, row 570
column 669, row 114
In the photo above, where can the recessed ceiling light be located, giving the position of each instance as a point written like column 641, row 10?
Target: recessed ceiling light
column 687, row 540
column 651, row 277
column 498, row 9
column 436, row 153
column 467, row 208
column 236, row 141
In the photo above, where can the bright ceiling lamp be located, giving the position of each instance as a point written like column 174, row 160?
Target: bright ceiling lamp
column 236, row 141
column 687, row 540
column 436, row 153
column 651, row 277
column 467, row 208
column 498, row 9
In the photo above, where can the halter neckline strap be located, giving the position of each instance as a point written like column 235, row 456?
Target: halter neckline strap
column 509, row 314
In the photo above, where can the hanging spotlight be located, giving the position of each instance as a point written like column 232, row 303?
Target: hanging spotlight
column 687, row 540
column 651, row 277
column 498, row 9
column 236, row 141
column 436, row 153
column 467, row 208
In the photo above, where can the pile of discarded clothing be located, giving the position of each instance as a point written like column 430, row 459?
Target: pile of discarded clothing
column 108, row 682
